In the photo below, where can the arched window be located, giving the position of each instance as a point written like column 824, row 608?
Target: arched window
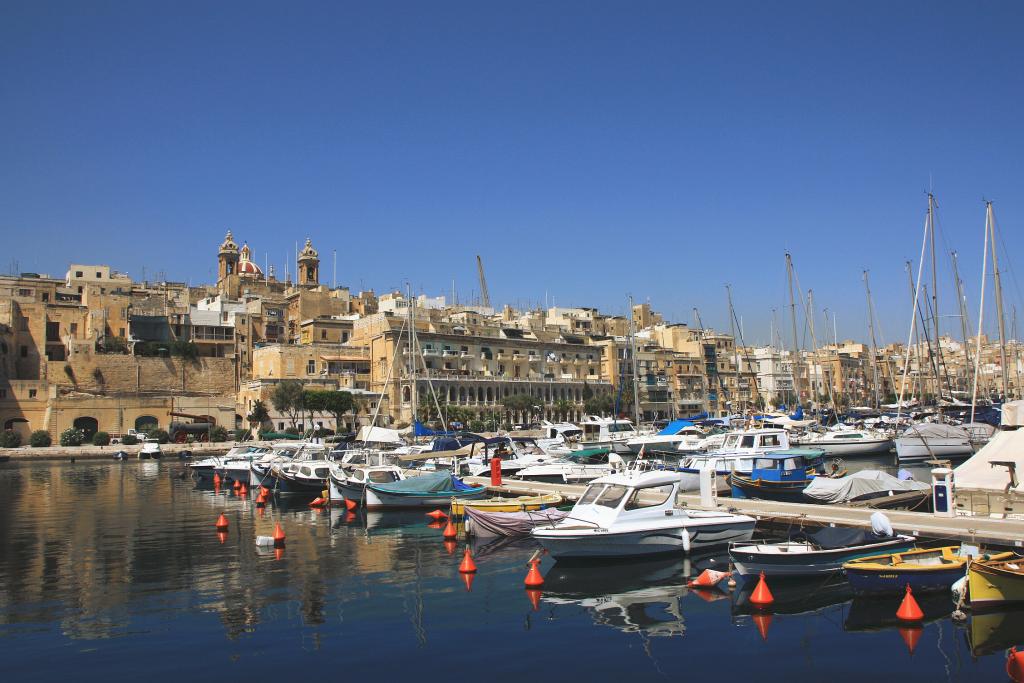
column 145, row 423
column 88, row 425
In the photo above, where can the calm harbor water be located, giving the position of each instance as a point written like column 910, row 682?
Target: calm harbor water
column 110, row 571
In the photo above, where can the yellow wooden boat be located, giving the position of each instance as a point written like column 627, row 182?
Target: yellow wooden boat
column 520, row 504
column 995, row 582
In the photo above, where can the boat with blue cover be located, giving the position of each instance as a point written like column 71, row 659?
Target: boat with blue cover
column 782, row 475
column 430, row 489
column 814, row 553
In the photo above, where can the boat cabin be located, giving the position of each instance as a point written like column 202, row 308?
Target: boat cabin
column 756, row 440
column 563, row 430
column 601, row 429
column 360, row 475
column 781, row 467
column 630, row 495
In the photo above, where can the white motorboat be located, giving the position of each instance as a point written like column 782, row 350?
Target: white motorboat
column 681, row 435
column 607, row 432
column 848, row 443
column 736, row 454
column 934, row 441
column 348, row 479
column 150, row 449
column 579, row 467
column 514, row 453
column 633, row 514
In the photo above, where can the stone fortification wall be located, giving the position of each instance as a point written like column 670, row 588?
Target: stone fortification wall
column 115, row 373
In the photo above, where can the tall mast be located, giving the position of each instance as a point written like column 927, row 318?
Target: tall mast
column 964, row 321
column 981, row 315
column 632, row 353
column 814, row 342
column 413, row 398
column 990, row 219
column 935, row 294
column 792, row 315
column 735, row 350
column 874, row 345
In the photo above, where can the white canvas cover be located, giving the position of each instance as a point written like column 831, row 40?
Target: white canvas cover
column 379, row 435
column 859, row 484
column 977, row 472
column 936, row 430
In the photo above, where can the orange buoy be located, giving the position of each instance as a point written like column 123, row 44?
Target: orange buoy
column 278, row 553
column 436, row 524
column 450, row 531
column 709, row 578
column 222, row 536
column 317, row 502
column 467, row 579
column 237, row 485
column 222, row 523
column 910, row 635
column 216, row 479
column 762, row 596
column 467, row 566
column 436, row 515
column 534, row 578
column 1015, row 665
column 278, row 536
column 351, row 504
column 264, row 490
column 763, row 622
column 534, row 595
column 350, row 517
column 261, row 500
column 243, row 490
column 261, row 510
column 450, row 546
column 909, row 609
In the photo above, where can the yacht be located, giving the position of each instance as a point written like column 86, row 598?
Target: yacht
column 277, row 469
column 607, row 432
column 848, row 443
column 680, row 435
column 150, row 449
column 933, row 441
column 736, row 454
column 514, row 453
column 349, row 477
column 634, row 514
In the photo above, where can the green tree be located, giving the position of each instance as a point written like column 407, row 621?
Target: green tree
column 100, row 439
column 287, row 398
column 562, row 408
column 160, row 435
column 258, row 415
column 218, row 434
column 337, row 404
column 599, row 404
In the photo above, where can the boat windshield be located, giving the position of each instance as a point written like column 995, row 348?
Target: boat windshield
column 770, row 440
column 731, row 440
column 748, row 441
column 383, row 476
column 648, row 497
column 591, row 493
column 612, row 496
column 620, row 427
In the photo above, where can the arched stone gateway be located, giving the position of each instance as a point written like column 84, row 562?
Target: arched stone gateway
column 145, row 423
column 88, row 425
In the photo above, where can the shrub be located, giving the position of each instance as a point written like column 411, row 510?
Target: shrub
column 10, row 439
column 240, row 434
column 292, row 430
column 159, row 434
column 218, row 434
column 129, row 440
column 40, row 439
column 72, row 437
column 101, row 439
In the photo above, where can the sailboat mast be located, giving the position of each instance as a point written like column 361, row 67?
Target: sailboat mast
column 964, row 321
column 632, row 353
column 412, row 360
column 935, row 296
column 735, row 351
column 998, row 291
column 874, row 345
column 981, row 317
column 792, row 315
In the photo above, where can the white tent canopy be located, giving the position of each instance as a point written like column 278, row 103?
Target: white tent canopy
column 981, row 473
column 379, row 435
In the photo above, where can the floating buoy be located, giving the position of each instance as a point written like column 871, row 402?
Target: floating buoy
column 709, row 578
column 237, row 485
column 350, row 517
column 909, row 609
column 762, row 595
column 261, row 500
column 436, row 515
column 351, row 504
column 534, row 578
column 318, row 502
column 222, row 523
column 222, row 536
column 264, row 490
column 278, row 536
column 1015, row 665
column 467, row 566
column 910, row 635
column 278, row 553
column 216, row 479
column 243, row 491
column 763, row 622
column 467, row 579
column 450, row 531
column 450, row 546
column 534, row 595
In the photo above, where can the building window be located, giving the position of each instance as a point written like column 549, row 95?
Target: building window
column 46, row 296
column 78, row 273
column 99, row 275
column 120, row 331
column 311, row 367
column 344, row 337
column 323, row 334
column 74, row 328
column 31, row 393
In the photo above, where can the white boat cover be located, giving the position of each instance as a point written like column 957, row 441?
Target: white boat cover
column 936, row 430
column 1007, row 446
column 512, row 524
column 379, row 435
column 863, row 483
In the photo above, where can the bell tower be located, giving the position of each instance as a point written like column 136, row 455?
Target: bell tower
column 309, row 265
column 227, row 258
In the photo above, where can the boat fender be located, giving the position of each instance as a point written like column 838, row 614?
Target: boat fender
column 686, row 541
column 880, row 525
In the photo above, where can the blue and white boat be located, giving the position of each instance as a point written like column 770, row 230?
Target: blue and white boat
column 782, row 475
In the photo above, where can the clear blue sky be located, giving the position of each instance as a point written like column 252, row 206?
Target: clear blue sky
column 586, row 150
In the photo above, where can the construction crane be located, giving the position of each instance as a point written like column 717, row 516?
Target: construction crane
column 485, row 298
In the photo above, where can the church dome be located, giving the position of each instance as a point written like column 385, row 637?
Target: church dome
column 246, row 266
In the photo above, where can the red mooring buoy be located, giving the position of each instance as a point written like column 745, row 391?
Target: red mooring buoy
column 1015, row 665
column 762, row 596
column 534, row 579
column 467, row 566
column 278, row 536
column 909, row 609
column 222, row 523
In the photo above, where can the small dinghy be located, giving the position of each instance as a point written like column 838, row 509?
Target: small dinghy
column 926, row 570
column 993, row 583
column 815, row 553
column 519, row 504
column 482, row 523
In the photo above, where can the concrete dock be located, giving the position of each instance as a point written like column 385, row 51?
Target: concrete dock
column 974, row 530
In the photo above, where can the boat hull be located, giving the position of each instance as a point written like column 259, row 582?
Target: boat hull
column 914, row 449
column 994, row 586
column 375, row 499
column 600, row 544
column 282, row 483
column 853, row 449
column 742, row 487
column 895, row 581
column 813, row 563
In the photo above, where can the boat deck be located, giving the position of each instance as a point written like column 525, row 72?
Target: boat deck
column 975, row 530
